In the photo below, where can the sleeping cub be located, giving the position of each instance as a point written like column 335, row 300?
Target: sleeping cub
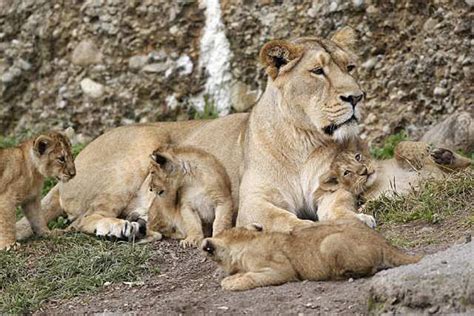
column 22, row 173
column 327, row 250
column 192, row 189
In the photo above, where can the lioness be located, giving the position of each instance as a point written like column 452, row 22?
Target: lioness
column 328, row 250
column 22, row 173
column 312, row 100
column 193, row 188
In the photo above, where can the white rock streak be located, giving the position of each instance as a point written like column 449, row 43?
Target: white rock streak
column 214, row 59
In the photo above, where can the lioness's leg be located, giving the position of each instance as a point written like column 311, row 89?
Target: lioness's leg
column 193, row 227
column 7, row 223
column 50, row 210
column 263, row 277
column 33, row 213
column 223, row 218
column 329, row 213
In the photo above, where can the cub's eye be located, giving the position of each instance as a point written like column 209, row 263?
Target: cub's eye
column 347, row 172
column 318, row 71
column 358, row 157
column 62, row 159
column 350, row 68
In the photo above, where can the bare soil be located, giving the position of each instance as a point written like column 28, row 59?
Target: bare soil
column 189, row 284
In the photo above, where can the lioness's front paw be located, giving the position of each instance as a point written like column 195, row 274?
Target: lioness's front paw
column 369, row 220
column 122, row 229
column 191, row 241
column 9, row 246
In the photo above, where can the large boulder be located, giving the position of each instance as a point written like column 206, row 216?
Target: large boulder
column 440, row 283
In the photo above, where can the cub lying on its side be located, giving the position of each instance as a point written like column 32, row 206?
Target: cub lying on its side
column 192, row 188
column 328, row 250
column 22, row 172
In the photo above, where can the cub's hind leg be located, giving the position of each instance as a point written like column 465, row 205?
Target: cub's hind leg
column 224, row 217
column 7, row 223
column 33, row 212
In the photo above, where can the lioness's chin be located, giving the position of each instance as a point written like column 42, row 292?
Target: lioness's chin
column 346, row 131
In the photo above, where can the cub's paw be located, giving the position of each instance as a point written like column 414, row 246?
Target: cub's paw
column 151, row 237
column 236, row 283
column 442, row 156
column 9, row 246
column 369, row 220
column 191, row 241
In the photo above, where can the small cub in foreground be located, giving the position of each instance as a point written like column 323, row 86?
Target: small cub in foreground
column 192, row 188
column 22, row 173
column 328, row 250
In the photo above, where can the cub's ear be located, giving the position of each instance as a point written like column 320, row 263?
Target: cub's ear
column 328, row 181
column 42, row 144
column 159, row 159
column 255, row 227
column 346, row 37
column 277, row 54
column 208, row 246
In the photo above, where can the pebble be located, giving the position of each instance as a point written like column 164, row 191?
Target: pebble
column 137, row 62
column 440, row 92
column 86, row 53
column 91, row 88
column 155, row 68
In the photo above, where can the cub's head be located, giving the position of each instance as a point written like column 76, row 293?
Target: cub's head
column 352, row 170
column 164, row 170
column 53, row 157
column 316, row 82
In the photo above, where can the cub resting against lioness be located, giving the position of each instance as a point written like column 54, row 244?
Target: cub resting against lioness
column 328, row 250
column 22, row 173
column 192, row 189
column 355, row 171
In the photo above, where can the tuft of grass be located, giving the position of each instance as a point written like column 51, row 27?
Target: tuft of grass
column 7, row 142
column 64, row 267
column 431, row 202
column 387, row 149
column 209, row 111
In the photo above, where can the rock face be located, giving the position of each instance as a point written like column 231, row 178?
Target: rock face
column 455, row 132
column 416, row 63
column 440, row 283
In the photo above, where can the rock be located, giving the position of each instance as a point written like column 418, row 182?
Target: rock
column 86, row 53
column 242, row 97
column 137, row 62
column 469, row 2
column 155, row 68
column 184, row 64
column 370, row 63
column 440, row 92
column 91, row 88
column 456, row 132
column 358, row 3
column 440, row 283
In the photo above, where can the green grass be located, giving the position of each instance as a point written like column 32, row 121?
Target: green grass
column 432, row 202
column 209, row 111
column 386, row 151
column 64, row 267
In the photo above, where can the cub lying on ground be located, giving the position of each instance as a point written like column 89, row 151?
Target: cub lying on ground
column 328, row 250
column 22, row 172
column 192, row 188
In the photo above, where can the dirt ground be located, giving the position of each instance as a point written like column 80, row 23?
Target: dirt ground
column 189, row 283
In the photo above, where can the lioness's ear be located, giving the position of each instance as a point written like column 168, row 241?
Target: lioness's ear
column 345, row 37
column 328, row 181
column 276, row 54
column 255, row 227
column 158, row 158
column 42, row 144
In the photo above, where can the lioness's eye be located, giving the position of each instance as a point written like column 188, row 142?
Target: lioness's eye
column 61, row 159
column 350, row 68
column 358, row 157
column 318, row 71
column 347, row 172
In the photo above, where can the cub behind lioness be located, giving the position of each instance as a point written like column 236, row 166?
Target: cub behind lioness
column 22, row 172
column 192, row 189
column 326, row 251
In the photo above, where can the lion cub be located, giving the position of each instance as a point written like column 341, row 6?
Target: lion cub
column 327, row 250
column 192, row 188
column 22, row 173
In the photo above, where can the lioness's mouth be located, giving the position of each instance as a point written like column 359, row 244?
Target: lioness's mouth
column 330, row 129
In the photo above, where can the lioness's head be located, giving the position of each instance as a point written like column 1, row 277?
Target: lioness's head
column 53, row 157
column 165, row 171
column 316, row 82
column 352, row 169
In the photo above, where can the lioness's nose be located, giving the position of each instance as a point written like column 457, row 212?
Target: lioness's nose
column 352, row 99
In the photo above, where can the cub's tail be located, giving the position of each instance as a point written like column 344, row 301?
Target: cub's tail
column 393, row 257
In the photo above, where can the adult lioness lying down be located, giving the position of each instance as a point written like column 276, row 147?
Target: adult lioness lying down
column 311, row 102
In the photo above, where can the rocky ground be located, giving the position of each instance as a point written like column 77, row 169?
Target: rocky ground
column 189, row 284
column 96, row 64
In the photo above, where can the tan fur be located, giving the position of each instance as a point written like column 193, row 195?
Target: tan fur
column 193, row 188
column 263, row 153
column 328, row 250
column 22, row 172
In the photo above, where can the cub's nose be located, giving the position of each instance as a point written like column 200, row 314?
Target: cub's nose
column 352, row 99
column 72, row 173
